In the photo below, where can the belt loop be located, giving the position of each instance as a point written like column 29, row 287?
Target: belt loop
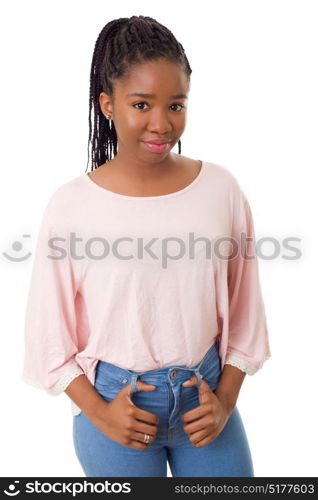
column 133, row 382
column 198, row 375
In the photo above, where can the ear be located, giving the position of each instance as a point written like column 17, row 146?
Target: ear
column 105, row 103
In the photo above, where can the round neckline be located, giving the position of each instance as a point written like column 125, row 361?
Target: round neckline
column 156, row 197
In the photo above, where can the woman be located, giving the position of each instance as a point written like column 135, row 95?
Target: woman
column 142, row 313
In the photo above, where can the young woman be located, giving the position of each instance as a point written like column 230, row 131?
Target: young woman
column 148, row 310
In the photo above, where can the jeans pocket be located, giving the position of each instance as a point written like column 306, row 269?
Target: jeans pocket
column 212, row 376
column 106, row 382
column 212, row 382
column 108, row 391
column 109, row 386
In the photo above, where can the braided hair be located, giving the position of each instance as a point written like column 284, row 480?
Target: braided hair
column 122, row 43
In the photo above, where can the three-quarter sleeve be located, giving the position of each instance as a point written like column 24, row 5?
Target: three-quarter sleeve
column 248, row 342
column 50, row 340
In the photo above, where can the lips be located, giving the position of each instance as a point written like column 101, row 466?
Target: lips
column 158, row 141
column 157, row 146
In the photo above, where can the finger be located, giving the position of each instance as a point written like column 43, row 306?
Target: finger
column 205, row 441
column 143, row 386
column 197, row 412
column 194, row 381
column 197, row 437
column 191, row 381
column 146, row 429
column 140, row 386
column 137, row 445
column 146, row 416
column 140, row 436
column 205, row 394
column 195, row 426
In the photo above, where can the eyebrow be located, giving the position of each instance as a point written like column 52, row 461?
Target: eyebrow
column 139, row 94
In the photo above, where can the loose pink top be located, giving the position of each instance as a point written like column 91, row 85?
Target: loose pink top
column 143, row 282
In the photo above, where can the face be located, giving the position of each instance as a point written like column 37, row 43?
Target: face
column 160, row 116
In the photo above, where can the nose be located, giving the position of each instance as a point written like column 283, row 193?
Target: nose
column 159, row 122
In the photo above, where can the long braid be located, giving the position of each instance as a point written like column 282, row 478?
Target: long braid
column 122, row 43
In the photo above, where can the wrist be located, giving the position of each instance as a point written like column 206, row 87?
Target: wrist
column 229, row 386
column 98, row 411
column 226, row 401
column 85, row 396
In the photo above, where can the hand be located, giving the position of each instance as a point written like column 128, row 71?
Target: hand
column 122, row 421
column 205, row 422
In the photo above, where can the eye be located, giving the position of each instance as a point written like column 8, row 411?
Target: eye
column 142, row 102
column 137, row 104
column 177, row 104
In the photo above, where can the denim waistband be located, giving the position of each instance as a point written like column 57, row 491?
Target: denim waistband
column 211, row 356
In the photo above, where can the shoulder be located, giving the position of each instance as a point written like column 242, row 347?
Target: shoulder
column 64, row 199
column 223, row 178
column 217, row 173
column 220, row 173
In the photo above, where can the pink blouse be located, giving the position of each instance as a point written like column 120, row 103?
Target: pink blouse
column 143, row 282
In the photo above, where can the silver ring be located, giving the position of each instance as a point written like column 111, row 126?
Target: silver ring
column 146, row 438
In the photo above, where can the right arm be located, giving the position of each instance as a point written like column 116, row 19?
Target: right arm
column 51, row 345
column 120, row 419
column 85, row 396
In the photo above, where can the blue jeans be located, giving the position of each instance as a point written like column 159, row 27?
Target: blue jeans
column 227, row 456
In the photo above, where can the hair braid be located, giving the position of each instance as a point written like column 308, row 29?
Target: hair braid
column 121, row 44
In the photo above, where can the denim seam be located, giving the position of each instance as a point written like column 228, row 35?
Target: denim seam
column 168, row 409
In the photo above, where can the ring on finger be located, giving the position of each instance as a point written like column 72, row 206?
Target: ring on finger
column 146, row 438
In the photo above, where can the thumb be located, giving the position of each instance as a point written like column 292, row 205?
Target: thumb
column 203, row 389
column 191, row 381
column 141, row 386
column 204, row 392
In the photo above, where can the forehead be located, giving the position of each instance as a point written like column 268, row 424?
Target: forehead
column 160, row 78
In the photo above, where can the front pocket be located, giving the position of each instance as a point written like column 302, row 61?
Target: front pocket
column 108, row 387
column 108, row 391
column 213, row 374
column 212, row 380
column 105, row 383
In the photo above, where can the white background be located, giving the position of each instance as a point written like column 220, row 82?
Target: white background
column 253, row 108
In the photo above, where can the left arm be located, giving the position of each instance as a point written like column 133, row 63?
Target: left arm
column 229, row 387
column 247, row 344
column 205, row 422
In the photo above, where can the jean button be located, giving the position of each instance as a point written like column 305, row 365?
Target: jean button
column 173, row 374
column 124, row 380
